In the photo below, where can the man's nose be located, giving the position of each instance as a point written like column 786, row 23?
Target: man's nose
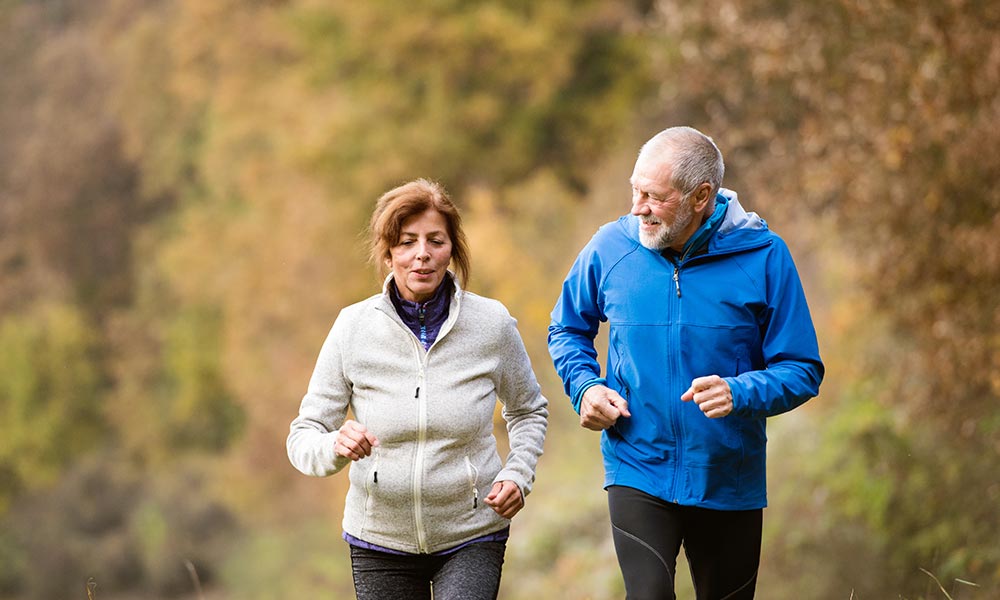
column 639, row 205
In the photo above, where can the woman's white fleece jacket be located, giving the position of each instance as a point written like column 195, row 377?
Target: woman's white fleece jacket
column 422, row 489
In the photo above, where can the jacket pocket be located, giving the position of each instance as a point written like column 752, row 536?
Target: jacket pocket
column 371, row 483
column 620, row 361
column 742, row 361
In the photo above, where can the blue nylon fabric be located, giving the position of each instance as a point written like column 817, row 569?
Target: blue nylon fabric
column 701, row 236
column 742, row 315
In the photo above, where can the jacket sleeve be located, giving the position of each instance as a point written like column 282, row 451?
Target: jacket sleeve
column 313, row 434
column 576, row 318
column 793, row 369
column 525, row 409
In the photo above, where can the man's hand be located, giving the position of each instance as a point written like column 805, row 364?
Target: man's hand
column 712, row 395
column 600, row 407
column 355, row 441
column 505, row 498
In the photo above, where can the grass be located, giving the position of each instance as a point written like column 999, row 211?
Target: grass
column 941, row 587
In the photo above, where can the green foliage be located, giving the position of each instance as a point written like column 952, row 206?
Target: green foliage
column 199, row 412
column 12, row 564
column 50, row 389
column 178, row 523
column 304, row 560
column 865, row 469
column 171, row 396
column 529, row 80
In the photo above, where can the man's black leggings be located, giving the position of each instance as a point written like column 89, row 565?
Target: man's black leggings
column 722, row 547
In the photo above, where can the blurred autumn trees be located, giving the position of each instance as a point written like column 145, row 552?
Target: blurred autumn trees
column 183, row 185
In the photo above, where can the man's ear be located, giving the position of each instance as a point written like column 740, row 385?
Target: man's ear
column 702, row 196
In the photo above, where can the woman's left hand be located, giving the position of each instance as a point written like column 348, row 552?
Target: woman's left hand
column 505, row 498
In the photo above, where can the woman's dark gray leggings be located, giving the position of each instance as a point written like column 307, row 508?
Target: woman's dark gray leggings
column 722, row 547
column 472, row 573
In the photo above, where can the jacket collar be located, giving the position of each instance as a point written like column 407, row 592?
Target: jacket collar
column 736, row 230
column 385, row 305
column 711, row 224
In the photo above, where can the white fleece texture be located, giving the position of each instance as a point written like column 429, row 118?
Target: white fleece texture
column 437, row 458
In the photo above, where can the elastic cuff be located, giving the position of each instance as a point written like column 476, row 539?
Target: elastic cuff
column 578, row 396
column 516, row 479
column 740, row 408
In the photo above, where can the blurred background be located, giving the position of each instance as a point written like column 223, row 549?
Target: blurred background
column 184, row 188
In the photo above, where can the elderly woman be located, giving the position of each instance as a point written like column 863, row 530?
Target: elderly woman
column 421, row 366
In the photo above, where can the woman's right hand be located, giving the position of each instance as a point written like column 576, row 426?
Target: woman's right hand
column 354, row 441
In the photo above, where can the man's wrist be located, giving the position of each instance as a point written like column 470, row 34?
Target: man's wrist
column 586, row 385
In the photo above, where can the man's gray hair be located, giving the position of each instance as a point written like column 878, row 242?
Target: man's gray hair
column 694, row 156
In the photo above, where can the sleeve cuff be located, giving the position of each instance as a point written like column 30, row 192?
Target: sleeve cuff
column 586, row 385
column 740, row 407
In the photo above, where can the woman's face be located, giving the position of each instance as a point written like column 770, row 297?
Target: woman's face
column 420, row 260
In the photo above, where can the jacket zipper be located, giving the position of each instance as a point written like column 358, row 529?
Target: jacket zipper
column 369, row 485
column 677, row 270
column 421, row 420
column 473, row 481
column 418, row 461
column 675, row 406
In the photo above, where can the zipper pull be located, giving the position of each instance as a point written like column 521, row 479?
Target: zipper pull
column 376, row 476
column 677, row 280
column 475, row 499
column 417, row 395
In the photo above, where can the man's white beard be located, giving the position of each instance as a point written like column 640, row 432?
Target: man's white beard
column 664, row 236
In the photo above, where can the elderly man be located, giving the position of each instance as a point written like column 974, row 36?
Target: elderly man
column 709, row 334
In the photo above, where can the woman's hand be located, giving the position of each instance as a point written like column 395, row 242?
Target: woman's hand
column 505, row 498
column 354, row 441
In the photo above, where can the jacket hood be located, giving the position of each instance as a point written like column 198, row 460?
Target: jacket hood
column 739, row 228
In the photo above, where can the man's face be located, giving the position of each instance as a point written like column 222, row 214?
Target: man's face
column 665, row 216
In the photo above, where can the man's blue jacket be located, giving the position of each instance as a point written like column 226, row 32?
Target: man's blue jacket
column 736, row 309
